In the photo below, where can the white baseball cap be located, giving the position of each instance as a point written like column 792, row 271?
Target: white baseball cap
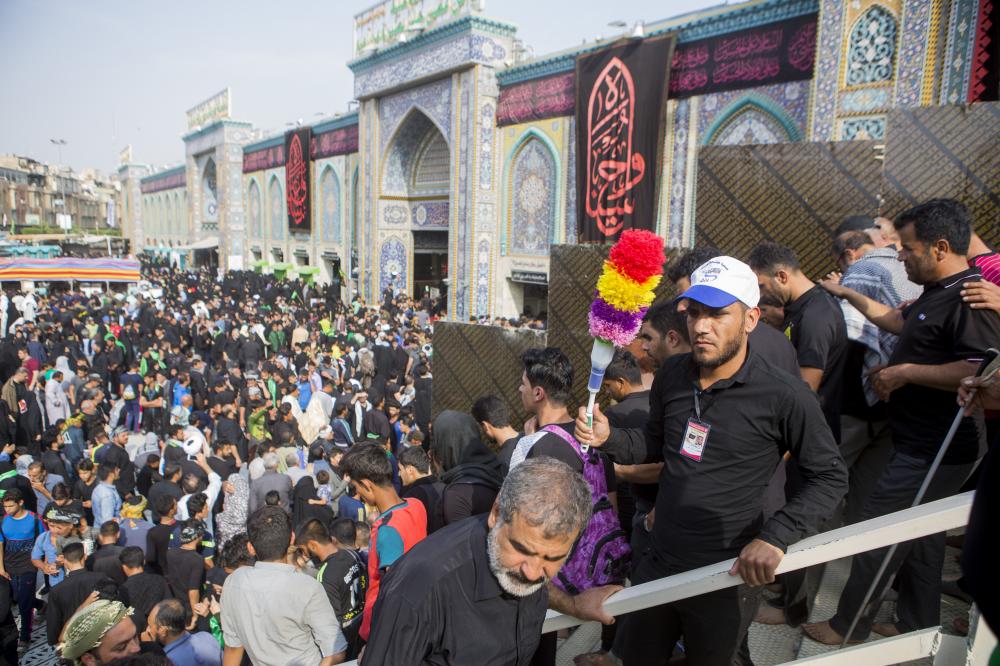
column 722, row 281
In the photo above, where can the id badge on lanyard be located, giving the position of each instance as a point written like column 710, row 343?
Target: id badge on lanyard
column 695, row 434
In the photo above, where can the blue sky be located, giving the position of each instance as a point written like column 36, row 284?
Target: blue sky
column 101, row 74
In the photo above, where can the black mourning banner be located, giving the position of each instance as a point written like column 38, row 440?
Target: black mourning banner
column 768, row 54
column 297, row 180
column 619, row 104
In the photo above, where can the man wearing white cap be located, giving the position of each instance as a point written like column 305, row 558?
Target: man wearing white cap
column 720, row 419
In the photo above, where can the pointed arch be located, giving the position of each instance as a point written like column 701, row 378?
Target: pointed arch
column 871, row 48
column 277, row 217
column 401, row 157
column 255, row 210
column 758, row 117
column 532, row 181
column 210, row 191
column 329, row 187
column 180, row 214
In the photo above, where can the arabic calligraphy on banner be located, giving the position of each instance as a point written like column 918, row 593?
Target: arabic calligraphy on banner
column 216, row 107
column 766, row 55
column 385, row 23
column 297, row 180
column 620, row 92
column 534, row 100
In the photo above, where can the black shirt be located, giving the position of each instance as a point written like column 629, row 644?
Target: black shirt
column 706, row 511
column 105, row 561
column 66, row 597
column 157, row 545
column 939, row 328
column 428, row 490
column 145, row 590
column 185, row 571
column 814, row 323
column 441, row 604
column 161, row 488
column 345, row 578
column 633, row 412
column 145, row 479
column 116, row 456
column 774, row 347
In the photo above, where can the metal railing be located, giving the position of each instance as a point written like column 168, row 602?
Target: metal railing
column 926, row 519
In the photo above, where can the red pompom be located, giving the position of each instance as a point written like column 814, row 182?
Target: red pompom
column 638, row 254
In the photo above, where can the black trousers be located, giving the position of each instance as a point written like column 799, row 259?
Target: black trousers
column 917, row 564
column 711, row 625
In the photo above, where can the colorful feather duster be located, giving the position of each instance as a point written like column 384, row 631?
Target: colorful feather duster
column 624, row 293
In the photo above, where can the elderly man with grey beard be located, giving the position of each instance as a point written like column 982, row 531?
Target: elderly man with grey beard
column 476, row 591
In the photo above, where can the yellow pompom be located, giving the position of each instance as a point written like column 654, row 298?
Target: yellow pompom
column 623, row 292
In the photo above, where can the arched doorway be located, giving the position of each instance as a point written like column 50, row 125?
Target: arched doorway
column 415, row 197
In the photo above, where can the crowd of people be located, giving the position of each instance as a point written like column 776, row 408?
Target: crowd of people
column 225, row 468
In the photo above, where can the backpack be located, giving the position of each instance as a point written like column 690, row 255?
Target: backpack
column 601, row 554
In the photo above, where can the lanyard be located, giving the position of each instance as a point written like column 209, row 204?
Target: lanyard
column 697, row 404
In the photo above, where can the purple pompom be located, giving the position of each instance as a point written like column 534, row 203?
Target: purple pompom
column 614, row 325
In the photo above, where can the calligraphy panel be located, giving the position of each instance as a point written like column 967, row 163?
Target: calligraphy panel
column 773, row 53
column 535, row 100
column 297, row 180
column 620, row 93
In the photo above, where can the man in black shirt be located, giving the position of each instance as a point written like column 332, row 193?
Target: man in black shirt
column 185, row 566
column 546, row 388
column 67, row 596
column 169, row 486
column 636, row 483
column 145, row 589
column 114, row 454
column 493, row 417
column 342, row 573
column 940, row 340
column 148, row 474
column 417, row 479
column 158, row 537
column 813, row 322
column 105, row 558
column 720, row 419
column 474, row 592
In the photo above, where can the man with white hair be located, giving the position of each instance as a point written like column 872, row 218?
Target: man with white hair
column 476, row 591
column 270, row 480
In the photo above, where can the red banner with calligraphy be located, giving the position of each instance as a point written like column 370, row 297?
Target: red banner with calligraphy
column 619, row 105
column 773, row 53
column 297, row 180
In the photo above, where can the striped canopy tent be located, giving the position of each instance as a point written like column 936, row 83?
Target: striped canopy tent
column 69, row 269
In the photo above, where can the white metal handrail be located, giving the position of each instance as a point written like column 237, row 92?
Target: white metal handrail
column 930, row 518
column 926, row 519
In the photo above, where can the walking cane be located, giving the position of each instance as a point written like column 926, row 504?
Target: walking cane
column 989, row 366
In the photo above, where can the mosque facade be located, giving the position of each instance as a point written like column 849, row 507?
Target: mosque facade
column 457, row 170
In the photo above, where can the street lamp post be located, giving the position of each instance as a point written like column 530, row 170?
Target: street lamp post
column 59, row 144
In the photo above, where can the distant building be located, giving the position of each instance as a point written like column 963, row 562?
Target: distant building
column 458, row 170
column 37, row 197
